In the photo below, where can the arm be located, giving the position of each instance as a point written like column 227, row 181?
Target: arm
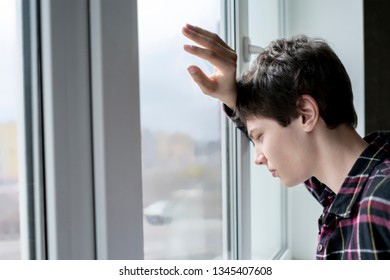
column 222, row 83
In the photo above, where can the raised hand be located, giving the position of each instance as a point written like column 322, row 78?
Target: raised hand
column 222, row 83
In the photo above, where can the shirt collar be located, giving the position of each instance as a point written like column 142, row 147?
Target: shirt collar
column 342, row 203
column 320, row 191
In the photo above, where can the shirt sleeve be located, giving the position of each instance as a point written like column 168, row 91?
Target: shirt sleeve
column 236, row 120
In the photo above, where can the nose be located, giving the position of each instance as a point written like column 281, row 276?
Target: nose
column 260, row 159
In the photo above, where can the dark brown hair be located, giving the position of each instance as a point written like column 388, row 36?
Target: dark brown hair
column 288, row 69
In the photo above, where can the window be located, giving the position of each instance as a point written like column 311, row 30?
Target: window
column 181, row 136
column 74, row 183
column 10, row 111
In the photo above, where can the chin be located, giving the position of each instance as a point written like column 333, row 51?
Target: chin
column 291, row 183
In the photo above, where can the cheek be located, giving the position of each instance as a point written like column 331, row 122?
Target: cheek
column 278, row 149
column 296, row 166
column 289, row 158
column 291, row 170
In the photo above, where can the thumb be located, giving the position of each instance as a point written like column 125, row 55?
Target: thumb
column 206, row 84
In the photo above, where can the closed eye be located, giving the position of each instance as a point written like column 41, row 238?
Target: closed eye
column 258, row 137
column 255, row 135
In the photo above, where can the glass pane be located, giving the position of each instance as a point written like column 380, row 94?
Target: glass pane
column 9, row 191
column 181, row 141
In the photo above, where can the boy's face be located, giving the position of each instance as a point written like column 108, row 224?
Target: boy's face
column 284, row 150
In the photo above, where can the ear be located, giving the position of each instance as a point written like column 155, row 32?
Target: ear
column 309, row 112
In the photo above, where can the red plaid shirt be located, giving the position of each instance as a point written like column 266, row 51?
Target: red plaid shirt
column 355, row 223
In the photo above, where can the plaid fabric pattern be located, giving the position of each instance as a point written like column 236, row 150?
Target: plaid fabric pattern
column 355, row 223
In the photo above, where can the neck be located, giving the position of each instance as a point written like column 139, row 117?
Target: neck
column 339, row 150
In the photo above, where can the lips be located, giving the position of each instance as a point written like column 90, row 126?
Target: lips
column 273, row 172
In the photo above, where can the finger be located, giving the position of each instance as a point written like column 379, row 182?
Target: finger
column 206, row 84
column 207, row 34
column 213, row 57
column 212, row 42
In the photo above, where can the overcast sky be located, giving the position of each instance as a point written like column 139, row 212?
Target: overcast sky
column 8, row 61
column 170, row 100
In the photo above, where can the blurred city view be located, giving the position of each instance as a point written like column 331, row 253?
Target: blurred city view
column 9, row 110
column 181, row 141
column 182, row 197
column 9, row 193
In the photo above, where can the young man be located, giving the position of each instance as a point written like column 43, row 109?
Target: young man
column 296, row 106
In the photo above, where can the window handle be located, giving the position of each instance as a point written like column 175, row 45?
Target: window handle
column 250, row 49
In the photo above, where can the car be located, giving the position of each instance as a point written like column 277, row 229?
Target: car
column 158, row 213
